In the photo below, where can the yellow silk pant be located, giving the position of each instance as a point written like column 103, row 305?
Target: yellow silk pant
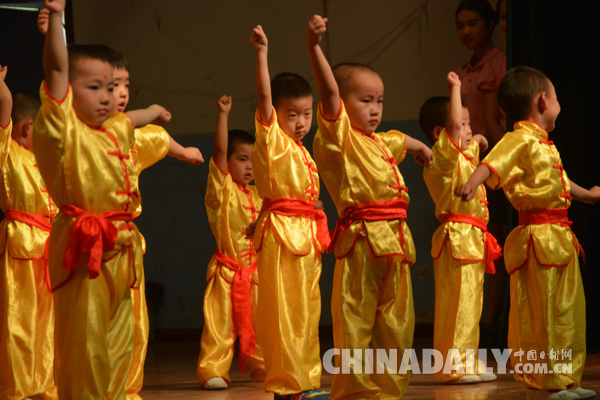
column 458, row 305
column 220, row 330
column 141, row 328
column 94, row 329
column 289, row 308
column 26, row 330
column 547, row 312
column 372, row 307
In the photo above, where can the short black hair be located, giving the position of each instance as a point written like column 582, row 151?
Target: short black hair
column 235, row 137
column 343, row 73
column 518, row 88
column 483, row 8
column 24, row 106
column 288, row 85
column 117, row 60
column 91, row 51
column 433, row 113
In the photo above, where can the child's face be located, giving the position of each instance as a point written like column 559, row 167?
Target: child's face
column 294, row 116
column 121, row 92
column 364, row 101
column 473, row 31
column 239, row 164
column 465, row 131
column 552, row 108
column 92, row 85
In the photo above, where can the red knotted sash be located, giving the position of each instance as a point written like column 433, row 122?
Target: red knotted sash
column 493, row 251
column 92, row 234
column 548, row 216
column 293, row 207
column 38, row 221
column 381, row 211
column 242, row 305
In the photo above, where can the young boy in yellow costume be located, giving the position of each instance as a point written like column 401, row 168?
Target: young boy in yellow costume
column 547, row 311
column 95, row 252
column 462, row 249
column 372, row 243
column 290, row 234
column 26, row 319
column 232, row 290
column 152, row 144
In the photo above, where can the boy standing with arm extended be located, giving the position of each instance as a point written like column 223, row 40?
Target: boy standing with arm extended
column 232, row 290
column 547, row 312
column 462, row 249
column 26, row 318
column 290, row 234
column 372, row 243
column 95, row 252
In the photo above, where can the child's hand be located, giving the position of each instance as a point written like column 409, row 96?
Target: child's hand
column 54, row 6
column 481, row 141
column 3, row 72
column 162, row 115
column 452, row 80
column 466, row 191
column 595, row 195
column 258, row 38
column 250, row 228
column 191, row 155
column 319, row 205
column 423, row 156
column 42, row 21
column 224, row 104
column 316, row 27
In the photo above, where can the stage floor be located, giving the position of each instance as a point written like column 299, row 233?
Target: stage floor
column 170, row 373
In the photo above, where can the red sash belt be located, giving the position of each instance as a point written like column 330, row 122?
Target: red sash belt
column 242, row 305
column 548, row 216
column 39, row 221
column 93, row 234
column 381, row 211
column 493, row 251
column 293, row 207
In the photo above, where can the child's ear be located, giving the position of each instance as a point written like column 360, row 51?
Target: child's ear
column 28, row 127
column 541, row 102
column 436, row 132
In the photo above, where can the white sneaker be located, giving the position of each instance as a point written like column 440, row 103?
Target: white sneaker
column 216, row 383
column 583, row 393
column 465, row 380
column 546, row 395
column 488, row 377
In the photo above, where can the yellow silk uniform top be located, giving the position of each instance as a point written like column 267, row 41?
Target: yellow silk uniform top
column 452, row 167
column 528, row 167
column 357, row 169
column 22, row 189
column 230, row 207
column 284, row 168
column 87, row 167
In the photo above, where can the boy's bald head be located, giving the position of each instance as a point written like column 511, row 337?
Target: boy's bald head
column 344, row 74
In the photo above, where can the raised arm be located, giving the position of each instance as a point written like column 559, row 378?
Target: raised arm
column 329, row 92
column 154, row 114
column 221, row 134
column 56, row 57
column 262, row 79
column 467, row 190
column 5, row 98
column 423, row 154
column 454, row 116
column 589, row 196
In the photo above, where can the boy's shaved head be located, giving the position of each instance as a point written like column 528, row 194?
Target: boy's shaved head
column 235, row 137
column 433, row 113
column 90, row 51
column 344, row 73
column 289, row 85
column 24, row 106
column 518, row 88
